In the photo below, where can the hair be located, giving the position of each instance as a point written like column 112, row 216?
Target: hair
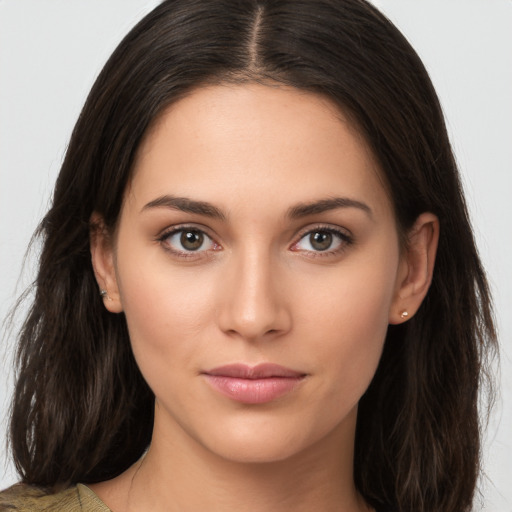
column 82, row 411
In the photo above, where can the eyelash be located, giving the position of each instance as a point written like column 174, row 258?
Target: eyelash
column 184, row 253
column 345, row 240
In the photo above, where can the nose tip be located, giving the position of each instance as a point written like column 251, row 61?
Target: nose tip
column 253, row 305
column 253, row 323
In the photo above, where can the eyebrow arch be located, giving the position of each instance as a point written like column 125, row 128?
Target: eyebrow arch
column 324, row 205
column 185, row 204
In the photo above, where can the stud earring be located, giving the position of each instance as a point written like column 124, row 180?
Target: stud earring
column 104, row 294
column 404, row 314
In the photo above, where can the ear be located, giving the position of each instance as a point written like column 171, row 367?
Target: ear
column 103, row 262
column 416, row 268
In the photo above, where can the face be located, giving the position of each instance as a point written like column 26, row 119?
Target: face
column 257, row 262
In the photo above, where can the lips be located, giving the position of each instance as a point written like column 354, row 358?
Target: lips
column 253, row 384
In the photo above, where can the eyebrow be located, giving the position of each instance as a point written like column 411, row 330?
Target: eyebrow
column 298, row 211
column 185, row 204
column 305, row 209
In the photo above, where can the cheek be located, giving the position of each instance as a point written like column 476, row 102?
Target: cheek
column 165, row 309
column 348, row 319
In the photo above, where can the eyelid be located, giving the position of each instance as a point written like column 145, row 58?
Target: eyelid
column 172, row 230
column 192, row 226
column 343, row 234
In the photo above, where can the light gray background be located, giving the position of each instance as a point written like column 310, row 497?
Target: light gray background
column 51, row 51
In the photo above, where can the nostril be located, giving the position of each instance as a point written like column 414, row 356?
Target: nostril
column 250, row 305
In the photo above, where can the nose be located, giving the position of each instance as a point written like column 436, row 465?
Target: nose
column 253, row 304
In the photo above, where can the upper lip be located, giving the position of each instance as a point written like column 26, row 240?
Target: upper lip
column 260, row 371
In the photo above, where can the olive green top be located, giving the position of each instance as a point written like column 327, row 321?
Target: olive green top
column 26, row 498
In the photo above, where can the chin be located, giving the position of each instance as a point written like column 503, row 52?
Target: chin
column 258, row 452
column 270, row 443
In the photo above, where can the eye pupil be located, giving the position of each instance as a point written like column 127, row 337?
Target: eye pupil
column 192, row 240
column 320, row 240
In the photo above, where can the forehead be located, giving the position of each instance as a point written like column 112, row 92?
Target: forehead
column 237, row 141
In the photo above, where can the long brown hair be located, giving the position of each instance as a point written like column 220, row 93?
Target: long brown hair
column 82, row 411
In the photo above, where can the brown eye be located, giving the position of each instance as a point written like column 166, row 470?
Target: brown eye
column 187, row 240
column 320, row 240
column 191, row 240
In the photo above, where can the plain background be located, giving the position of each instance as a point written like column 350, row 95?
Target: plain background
column 51, row 51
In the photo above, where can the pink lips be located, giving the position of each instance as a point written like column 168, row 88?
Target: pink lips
column 253, row 385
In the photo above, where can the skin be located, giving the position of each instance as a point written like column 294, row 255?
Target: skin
column 257, row 290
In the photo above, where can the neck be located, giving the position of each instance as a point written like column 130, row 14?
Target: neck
column 179, row 473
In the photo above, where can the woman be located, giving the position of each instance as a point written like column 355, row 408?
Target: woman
column 259, row 191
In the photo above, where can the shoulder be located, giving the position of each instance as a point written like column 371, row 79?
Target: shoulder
column 28, row 498
column 24, row 497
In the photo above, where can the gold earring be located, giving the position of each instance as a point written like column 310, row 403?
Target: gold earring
column 404, row 314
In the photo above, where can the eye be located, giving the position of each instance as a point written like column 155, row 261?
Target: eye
column 187, row 240
column 320, row 240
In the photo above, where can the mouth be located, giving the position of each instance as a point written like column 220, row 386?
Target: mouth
column 253, row 384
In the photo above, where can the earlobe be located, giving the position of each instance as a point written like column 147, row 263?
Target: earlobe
column 103, row 262
column 416, row 268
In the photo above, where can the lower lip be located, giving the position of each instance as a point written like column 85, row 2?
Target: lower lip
column 253, row 391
